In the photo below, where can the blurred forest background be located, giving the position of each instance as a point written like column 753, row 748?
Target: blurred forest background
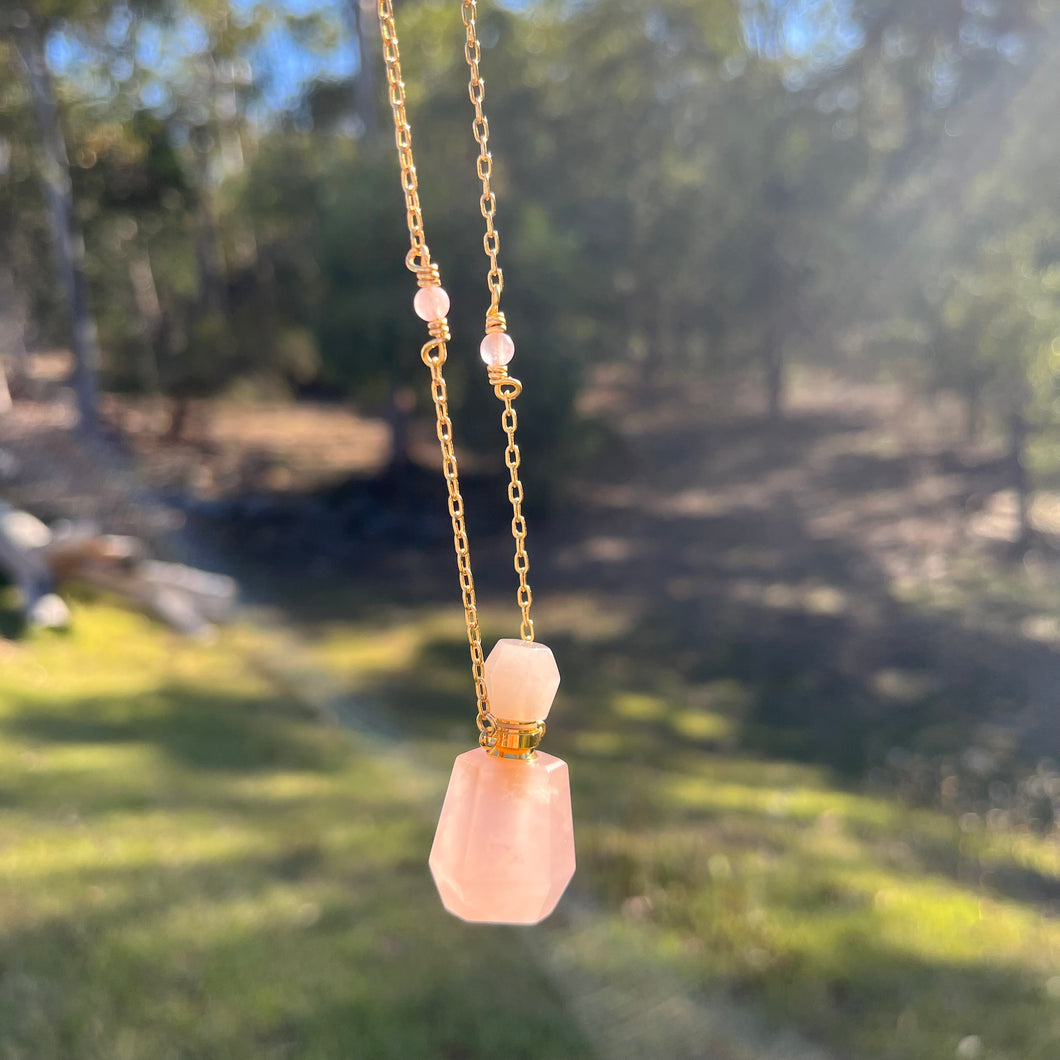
column 784, row 282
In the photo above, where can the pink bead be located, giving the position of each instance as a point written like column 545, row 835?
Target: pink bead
column 431, row 303
column 521, row 680
column 497, row 348
column 504, row 849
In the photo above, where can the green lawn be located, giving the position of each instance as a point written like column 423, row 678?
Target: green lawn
column 192, row 865
column 875, row 928
column 196, row 865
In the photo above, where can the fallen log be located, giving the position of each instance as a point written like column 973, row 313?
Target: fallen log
column 214, row 595
column 171, row 606
column 36, row 560
column 69, row 551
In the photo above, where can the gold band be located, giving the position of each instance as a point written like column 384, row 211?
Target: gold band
column 512, row 739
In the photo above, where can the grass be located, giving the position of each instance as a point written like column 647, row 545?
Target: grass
column 803, row 811
column 193, row 865
column 876, row 927
column 196, row 865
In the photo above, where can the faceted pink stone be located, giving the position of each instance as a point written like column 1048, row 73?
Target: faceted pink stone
column 521, row 680
column 497, row 348
column 431, row 303
column 504, row 849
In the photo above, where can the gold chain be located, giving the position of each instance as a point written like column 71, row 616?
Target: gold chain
column 506, row 388
column 434, row 354
column 435, row 351
column 491, row 241
column 418, row 255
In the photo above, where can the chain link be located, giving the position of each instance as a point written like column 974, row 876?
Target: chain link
column 434, row 354
column 506, row 388
column 491, row 241
column 418, row 256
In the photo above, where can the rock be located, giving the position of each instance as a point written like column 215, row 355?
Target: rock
column 49, row 612
column 22, row 530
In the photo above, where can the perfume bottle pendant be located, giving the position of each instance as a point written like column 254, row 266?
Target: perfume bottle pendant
column 504, row 849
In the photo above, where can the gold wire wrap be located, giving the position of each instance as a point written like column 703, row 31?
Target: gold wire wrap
column 433, row 355
column 439, row 329
column 426, row 275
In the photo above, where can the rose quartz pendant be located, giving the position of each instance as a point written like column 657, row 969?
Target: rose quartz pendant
column 504, row 849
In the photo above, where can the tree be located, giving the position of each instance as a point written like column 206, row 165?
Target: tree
column 27, row 29
column 969, row 251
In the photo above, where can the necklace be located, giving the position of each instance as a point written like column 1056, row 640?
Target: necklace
column 504, row 848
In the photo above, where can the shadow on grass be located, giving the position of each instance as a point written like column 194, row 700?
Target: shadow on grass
column 880, row 998
column 759, row 628
column 750, row 588
column 220, row 876
column 749, row 629
column 244, row 958
column 874, row 936
column 199, row 728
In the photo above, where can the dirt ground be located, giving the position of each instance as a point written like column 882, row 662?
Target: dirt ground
column 861, row 554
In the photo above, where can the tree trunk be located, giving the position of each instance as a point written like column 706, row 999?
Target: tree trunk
column 213, row 285
column 209, row 249
column 365, row 28
column 401, row 400
column 13, row 333
column 774, row 380
column 973, row 412
column 145, row 293
column 397, row 414
column 1017, row 451
column 67, row 240
column 178, row 419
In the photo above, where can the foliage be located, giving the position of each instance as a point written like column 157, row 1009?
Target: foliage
column 696, row 187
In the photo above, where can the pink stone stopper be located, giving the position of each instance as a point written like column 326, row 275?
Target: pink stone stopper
column 431, row 303
column 504, row 849
column 521, row 680
column 497, row 348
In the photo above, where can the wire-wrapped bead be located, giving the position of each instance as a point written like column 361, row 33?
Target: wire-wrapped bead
column 431, row 303
column 497, row 348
